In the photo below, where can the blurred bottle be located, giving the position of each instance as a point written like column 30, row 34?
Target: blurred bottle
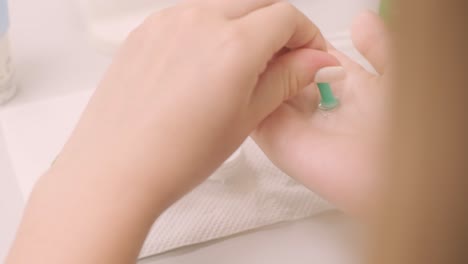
column 7, row 83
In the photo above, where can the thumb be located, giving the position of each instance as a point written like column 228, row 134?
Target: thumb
column 288, row 74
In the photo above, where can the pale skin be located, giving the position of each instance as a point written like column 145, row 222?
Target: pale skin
column 186, row 89
column 337, row 154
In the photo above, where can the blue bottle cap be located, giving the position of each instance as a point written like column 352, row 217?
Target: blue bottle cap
column 4, row 19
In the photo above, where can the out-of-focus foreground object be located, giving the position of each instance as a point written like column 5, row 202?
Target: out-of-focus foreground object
column 424, row 217
column 7, row 84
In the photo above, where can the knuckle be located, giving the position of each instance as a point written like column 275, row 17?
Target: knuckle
column 287, row 11
column 290, row 83
column 287, row 7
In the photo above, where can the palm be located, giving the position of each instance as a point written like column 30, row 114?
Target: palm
column 328, row 151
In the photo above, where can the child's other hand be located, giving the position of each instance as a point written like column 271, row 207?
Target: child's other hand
column 335, row 153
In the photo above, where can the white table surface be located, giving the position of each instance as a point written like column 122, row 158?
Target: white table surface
column 53, row 58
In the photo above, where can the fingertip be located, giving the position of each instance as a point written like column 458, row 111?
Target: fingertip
column 366, row 23
column 365, row 17
column 361, row 21
column 370, row 36
column 317, row 59
column 330, row 74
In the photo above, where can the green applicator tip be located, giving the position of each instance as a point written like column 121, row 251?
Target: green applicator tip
column 329, row 101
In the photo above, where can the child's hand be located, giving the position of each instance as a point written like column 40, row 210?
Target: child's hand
column 334, row 153
column 191, row 84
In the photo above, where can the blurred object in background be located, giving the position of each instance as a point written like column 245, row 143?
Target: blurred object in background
column 424, row 215
column 7, row 84
column 384, row 9
column 108, row 22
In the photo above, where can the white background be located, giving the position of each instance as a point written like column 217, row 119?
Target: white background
column 53, row 58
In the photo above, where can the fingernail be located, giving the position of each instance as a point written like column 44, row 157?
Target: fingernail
column 330, row 74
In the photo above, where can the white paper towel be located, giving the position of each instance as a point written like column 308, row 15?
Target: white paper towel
column 247, row 192
column 244, row 194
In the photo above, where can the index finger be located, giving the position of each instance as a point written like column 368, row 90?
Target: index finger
column 281, row 25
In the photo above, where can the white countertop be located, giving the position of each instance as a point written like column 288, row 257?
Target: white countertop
column 53, row 58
